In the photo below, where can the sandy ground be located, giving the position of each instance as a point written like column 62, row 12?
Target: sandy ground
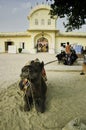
column 66, row 97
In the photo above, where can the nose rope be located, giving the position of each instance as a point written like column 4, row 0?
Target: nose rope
column 28, row 84
column 50, row 62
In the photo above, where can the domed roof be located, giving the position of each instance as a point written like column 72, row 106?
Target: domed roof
column 37, row 8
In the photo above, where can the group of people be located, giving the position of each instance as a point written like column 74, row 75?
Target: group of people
column 42, row 47
column 65, row 48
column 68, row 55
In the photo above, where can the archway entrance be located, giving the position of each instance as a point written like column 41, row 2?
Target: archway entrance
column 8, row 43
column 42, row 45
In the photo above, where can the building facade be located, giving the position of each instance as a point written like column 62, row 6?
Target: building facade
column 41, row 36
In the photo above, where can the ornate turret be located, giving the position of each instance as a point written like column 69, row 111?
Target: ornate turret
column 40, row 19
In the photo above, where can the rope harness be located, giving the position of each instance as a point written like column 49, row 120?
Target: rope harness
column 50, row 62
column 28, row 85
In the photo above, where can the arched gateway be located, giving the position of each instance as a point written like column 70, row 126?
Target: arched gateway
column 43, row 29
column 42, row 45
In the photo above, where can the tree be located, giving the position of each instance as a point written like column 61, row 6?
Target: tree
column 73, row 10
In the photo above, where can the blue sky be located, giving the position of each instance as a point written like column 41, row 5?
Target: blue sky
column 13, row 15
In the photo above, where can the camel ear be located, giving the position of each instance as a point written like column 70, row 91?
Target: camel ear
column 24, row 68
column 42, row 65
column 32, row 62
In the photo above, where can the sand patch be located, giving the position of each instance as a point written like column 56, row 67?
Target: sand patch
column 66, row 99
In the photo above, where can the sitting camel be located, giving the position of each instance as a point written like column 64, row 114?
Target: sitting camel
column 34, row 86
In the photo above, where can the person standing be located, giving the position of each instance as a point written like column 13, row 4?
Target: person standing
column 68, row 48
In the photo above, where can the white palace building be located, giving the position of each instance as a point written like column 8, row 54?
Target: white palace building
column 42, row 35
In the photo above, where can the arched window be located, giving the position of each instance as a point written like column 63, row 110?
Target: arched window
column 42, row 22
column 49, row 21
column 36, row 21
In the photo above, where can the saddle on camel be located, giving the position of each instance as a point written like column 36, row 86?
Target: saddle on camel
column 33, row 77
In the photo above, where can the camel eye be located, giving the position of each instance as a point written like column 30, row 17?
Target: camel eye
column 30, row 69
column 27, row 70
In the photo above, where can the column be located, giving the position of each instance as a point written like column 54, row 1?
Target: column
column 52, row 45
column 33, row 50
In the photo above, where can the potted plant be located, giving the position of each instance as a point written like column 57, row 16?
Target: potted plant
column 20, row 50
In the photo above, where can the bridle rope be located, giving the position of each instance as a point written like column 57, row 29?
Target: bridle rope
column 28, row 85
